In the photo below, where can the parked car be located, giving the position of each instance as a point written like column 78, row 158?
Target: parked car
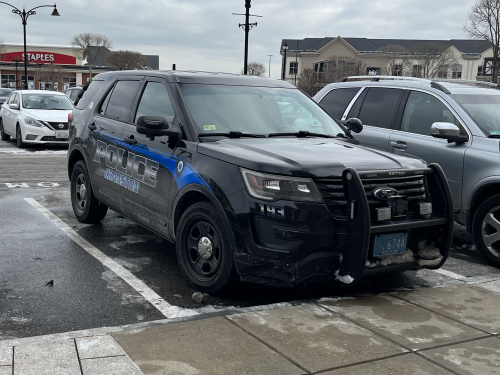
column 35, row 116
column 4, row 94
column 208, row 161
column 73, row 92
column 455, row 124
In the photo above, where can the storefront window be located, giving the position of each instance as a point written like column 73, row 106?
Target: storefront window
column 69, row 82
column 8, row 81
column 31, row 82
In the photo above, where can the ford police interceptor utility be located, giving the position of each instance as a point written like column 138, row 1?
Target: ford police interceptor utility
column 222, row 165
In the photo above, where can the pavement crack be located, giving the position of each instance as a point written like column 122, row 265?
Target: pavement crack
column 77, row 356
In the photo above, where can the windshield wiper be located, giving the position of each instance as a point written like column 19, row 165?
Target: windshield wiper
column 57, row 109
column 494, row 136
column 232, row 134
column 302, row 133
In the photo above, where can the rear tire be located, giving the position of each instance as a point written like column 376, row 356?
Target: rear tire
column 19, row 138
column 86, row 207
column 3, row 136
column 486, row 230
column 203, row 249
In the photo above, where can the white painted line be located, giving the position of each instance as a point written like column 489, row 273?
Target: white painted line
column 453, row 275
column 163, row 306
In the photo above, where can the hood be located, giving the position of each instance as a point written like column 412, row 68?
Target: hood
column 306, row 157
column 47, row 115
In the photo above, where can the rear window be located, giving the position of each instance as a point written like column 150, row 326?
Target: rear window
column 89, row 94
column 379, row 107
column 336, row 101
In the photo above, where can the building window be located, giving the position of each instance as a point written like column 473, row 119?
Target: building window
column 318, row 67
column 479, row 70
column 69, row 82
column 457, row 72
column 417, row 71
column 398, row 71
column 443, row 72
column 373, row 71
column 294, row 67
column 31, row 82
column 8, row 81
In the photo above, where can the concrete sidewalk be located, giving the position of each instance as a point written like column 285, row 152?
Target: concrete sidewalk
column 448, row 330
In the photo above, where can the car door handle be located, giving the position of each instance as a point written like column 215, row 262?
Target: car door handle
column 92, row 126
column 399, row 144
column 130, row 140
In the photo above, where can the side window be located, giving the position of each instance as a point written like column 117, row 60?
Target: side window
column 89, row 94
column 121, row 100
column 155, row 102
column 379, row 107
column 15, row 99
column 336, row 101
column 104, row 104
column 74, row 94
column 422, row 110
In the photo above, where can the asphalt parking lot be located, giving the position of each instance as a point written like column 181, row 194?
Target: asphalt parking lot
column 59, row 275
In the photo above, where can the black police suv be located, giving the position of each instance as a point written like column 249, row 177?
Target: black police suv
column 251, row 179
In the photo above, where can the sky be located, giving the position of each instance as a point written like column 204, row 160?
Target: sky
column 204, row 35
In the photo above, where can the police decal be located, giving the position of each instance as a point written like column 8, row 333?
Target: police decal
column 126, row 168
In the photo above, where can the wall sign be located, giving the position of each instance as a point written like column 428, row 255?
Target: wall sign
column 39, row 58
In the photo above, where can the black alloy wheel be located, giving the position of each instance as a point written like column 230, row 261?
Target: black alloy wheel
column 203, row 249
column 3, row 136
column 19, row 138
column 86, row 207
column 486, row 230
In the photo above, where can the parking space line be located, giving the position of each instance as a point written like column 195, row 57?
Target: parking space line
column 453, row 275
column 163, row 306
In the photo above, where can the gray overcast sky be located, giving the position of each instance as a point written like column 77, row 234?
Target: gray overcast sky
column 203, row 35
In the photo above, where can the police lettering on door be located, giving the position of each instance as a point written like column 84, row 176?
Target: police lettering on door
column 126, row 168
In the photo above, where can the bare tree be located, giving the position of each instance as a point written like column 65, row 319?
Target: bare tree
column 307, row 81
column 50, row 73
column 125, row 60
column 484, row 23
column 90, row 46
column 427, row 59
column 336, row 67
column 393, row 56
column 256, row 69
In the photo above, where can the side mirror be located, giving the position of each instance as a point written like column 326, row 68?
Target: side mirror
column 14, row 106
column 152, row 126
column 353, row 124
column 448, row 131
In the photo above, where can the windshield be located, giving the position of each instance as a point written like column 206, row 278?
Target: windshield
column 5, row 92
column 255, row 110
column 483, row 109
column 46, row 101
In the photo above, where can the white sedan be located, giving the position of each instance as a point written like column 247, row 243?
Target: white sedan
column 35, row 116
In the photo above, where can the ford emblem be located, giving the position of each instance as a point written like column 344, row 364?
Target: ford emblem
column 384, row 192
column 61, row 126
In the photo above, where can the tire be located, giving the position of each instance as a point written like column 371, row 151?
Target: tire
column 86, row 207
column 203, row 249
column 486, row 230
column 19, row 138
column 3, row 136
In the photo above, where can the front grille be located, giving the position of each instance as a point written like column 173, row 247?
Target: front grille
column 53, row 139
column 332, row 191
column 55, row 125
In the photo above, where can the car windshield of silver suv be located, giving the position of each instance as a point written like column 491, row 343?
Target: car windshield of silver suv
column 484, row 110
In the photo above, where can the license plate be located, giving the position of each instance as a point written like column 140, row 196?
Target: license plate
column 390, row 244
column 62, row 134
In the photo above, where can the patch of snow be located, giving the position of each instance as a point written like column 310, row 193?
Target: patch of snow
column 347, row 279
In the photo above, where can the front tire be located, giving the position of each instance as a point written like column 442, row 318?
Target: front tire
column 3, row 136
column 19, row 138
column 486, row 230
column 86, row 207
column 203, row 249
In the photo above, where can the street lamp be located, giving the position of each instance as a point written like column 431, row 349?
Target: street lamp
column 270, row 65
column 296, row 62
column 24, row 16
column 285, row 47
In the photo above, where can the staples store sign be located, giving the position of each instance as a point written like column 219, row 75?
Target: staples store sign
column 39, row 58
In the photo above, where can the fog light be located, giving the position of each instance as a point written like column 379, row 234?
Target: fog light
column 425, row 208
column 383, row 213
column 31, row 137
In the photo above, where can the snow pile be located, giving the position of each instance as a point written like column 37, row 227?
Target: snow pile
column 428, row 255
column 392, row 259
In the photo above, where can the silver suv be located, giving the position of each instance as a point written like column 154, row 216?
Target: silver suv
column 455, row 124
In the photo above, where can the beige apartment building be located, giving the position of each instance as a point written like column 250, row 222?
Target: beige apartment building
column 473, row 57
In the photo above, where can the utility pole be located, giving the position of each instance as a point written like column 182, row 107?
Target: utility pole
column 296, row 62
column 270, row 65
column 247, row 26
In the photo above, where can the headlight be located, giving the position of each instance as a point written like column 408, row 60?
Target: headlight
column 271, row 187
column 33, row 122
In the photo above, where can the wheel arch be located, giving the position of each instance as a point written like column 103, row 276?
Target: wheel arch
column 74, row 156
column 191, row 194
column 483, row 192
